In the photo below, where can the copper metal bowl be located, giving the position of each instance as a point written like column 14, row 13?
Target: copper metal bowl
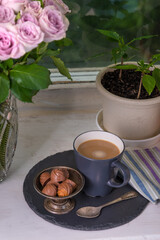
column 60, row 205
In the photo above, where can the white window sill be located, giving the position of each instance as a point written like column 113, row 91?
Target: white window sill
column 79, row 75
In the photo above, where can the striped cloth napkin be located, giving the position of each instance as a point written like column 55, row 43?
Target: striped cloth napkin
column 144, row 165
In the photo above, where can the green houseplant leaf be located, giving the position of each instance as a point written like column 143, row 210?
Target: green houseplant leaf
column 156, row 75
column 148, row 83
column 141, row 38
column 110, row 34
column 4, row 87
column 31, row 76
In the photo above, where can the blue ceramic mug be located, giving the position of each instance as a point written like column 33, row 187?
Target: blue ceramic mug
column 100, row 175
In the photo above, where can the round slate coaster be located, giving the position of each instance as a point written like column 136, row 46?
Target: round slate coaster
column 111, row 216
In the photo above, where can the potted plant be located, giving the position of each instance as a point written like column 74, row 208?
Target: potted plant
column 26, row 29
column 131, row 93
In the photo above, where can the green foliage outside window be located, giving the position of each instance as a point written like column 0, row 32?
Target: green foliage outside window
column 127, row 17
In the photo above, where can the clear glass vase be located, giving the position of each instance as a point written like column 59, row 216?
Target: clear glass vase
column 8, row 134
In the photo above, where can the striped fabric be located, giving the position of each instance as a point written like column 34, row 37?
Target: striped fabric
column 144, row 165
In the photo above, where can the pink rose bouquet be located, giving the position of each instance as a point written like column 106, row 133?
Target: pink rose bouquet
column 26, row 29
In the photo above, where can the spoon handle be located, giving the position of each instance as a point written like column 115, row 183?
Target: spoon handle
column 128, row 195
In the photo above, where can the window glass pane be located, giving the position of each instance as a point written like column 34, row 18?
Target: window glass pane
column 130, row 18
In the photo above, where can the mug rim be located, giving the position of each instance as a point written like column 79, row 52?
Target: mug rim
column 92, row 159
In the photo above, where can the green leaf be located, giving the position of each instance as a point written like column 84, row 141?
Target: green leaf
column 119, row 53
column 156, row 75
column 140, row 38
column 61, row 67
column 23, row 94
column 1, row 65
column 125, row 56
column 126, row 67
column 156, row 57
column 110, row 34
column 95, row 56
column 64, row 42
column 5, row 65
column 31, row 55
column 4, row 87
column 18, row 16
column 31, row 76
column 148, row 83
column 42, row 47
column 50, row 52
column 8, row 63
column 116, row 53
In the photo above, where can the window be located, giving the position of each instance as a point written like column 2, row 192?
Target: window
column 130, row 18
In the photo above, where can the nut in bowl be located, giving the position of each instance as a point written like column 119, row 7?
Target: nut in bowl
column 59, row 184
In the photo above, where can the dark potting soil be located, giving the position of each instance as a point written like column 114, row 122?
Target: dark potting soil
column 128, row 85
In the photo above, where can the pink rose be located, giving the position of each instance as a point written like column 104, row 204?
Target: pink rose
column 53, row 24
column 16, row 5
column 6, row 15
column 9, row 45
column 27, row 16
column 30, row 35
column 34, row 7
column 58, row 4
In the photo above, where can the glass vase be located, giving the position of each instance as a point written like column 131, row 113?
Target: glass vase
column 8, row 134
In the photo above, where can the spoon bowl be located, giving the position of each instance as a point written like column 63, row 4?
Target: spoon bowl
column 89, row 212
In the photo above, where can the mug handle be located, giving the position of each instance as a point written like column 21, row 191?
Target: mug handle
column 125, row 173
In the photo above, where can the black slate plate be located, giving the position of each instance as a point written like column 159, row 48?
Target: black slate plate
column 112, row 216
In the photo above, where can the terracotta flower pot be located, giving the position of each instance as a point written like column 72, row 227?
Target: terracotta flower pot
column 129, row 118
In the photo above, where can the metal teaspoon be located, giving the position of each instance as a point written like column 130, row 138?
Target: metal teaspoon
column 92, row 212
